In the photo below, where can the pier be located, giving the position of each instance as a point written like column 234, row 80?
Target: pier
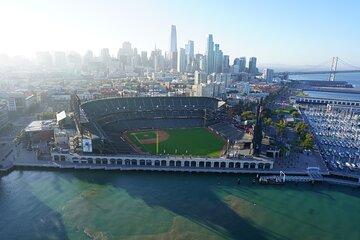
column 333, row 89
column 325, row 101
column 312, row 177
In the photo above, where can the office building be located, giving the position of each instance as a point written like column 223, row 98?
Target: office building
column 218, row 59
column 209, row 54
column 60, row 60
column 268, row 75
column 226, row 64
column 189, row 50
column 252, row 66
column 182, row 60
column 200, row 77
column 242, row 64
column 173, row 54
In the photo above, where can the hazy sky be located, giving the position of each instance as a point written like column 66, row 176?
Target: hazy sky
column 276, row 31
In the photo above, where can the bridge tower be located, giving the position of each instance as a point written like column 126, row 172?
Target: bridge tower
column 333, row 68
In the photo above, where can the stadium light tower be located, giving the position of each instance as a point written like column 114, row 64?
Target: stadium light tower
column 205, row 118
column 257, row 137
column 157, row 142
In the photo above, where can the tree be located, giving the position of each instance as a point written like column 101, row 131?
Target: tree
column 295, row 114
column 266, row 113
column 280, row 127
column 301, row 130
column 245, row 106
column 308, row 142
column 268, row 122
column 248, row 115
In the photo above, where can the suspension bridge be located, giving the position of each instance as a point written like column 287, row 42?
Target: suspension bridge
column 332, row 71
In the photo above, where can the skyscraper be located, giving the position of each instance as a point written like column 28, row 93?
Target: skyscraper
column 144, row 59
column 189, row 50
column 252, row 65
column 105, row 56
column 189, row 47
column 226, row 64
column 268, row 75
column 242, row 64
column 60, row 60
column 209, row 54
column 173, row 48
column 182, row 60
column 218, row 59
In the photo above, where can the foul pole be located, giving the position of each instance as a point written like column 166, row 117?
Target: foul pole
column 157, row 142
column 205, row 118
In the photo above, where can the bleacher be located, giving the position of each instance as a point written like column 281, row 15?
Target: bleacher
column 107, row 106
column 228, row 131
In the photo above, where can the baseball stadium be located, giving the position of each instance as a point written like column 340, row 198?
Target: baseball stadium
column 156, row 125
column 157, row 134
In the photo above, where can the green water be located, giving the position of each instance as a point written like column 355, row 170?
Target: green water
column 116, row 205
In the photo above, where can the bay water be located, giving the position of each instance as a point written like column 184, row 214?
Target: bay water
column 146, row 205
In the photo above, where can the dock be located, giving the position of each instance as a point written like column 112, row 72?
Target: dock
column 312, row 177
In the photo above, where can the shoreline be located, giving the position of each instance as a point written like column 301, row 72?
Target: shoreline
column 330, row 177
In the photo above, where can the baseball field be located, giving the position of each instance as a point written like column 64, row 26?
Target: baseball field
column 180, row 141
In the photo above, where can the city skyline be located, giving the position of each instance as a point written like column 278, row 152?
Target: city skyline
column 276, row 32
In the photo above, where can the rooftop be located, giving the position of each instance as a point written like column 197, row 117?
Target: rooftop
column 37, row 126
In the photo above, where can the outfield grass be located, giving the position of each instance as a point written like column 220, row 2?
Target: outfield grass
column 189, row 141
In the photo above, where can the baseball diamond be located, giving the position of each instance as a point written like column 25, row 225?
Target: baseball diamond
column 180, row 141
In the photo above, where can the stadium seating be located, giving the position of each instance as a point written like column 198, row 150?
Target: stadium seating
column 109, row 118
column 227, row 130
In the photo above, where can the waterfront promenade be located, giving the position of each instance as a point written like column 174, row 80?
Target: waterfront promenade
column 22, row 159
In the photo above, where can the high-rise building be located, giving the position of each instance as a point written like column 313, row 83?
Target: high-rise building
column 252, row 66
column 203, row 63
column 156, row 60
column 126, row 48
column 200, row 77
column 182, row 60
column 218, row 59
column 235, row 69
column 242, row 64
column 209, row 54
column 144, row 59
column 88, row 58
column 105, row 56
column 196, row 62
column 189, row 50
column 226, row 64
column 173, row 48
column 74, row 61
column 268, row 75
column 60, row 60
column 44, row 59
